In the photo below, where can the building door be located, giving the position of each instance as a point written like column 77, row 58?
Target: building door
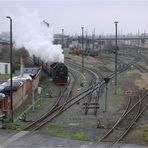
column 6, row 68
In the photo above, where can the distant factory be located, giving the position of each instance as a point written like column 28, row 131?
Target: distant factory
column 100, row 42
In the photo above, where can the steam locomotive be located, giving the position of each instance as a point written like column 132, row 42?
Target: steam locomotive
column 58, row 71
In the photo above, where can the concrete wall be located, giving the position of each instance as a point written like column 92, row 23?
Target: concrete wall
column 25, row 90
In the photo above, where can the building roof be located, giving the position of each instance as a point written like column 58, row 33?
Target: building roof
column 32, row 70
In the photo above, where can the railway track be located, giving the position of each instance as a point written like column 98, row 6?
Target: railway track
column 95, row 75
column 88, row 91
column 138, row 58
column 59, row 104
column 141, row 68
column 91, row 103
column 59, row 108
column 98, row 84
column 134, row 111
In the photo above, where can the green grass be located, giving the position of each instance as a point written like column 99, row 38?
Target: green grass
column 64, row 131
column 39, row 106
column 131, row 76
column 132, row 73
column 141, row 134
column 80, row 136
column 125, row 58
column 5, row 76
column 110, row 66
column 15, row 125
column 8, row 124
column 58, row 130
column 88, row 123
column 117, row 102
column 42, row 101
column 80, row 77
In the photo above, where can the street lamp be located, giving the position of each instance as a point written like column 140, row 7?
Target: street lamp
column 116, row 57
column 11, row 96
column 82, row 48
column 47, row 24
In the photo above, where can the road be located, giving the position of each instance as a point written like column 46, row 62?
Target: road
column 10, row 138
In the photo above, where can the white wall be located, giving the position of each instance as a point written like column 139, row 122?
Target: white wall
column 3, row 69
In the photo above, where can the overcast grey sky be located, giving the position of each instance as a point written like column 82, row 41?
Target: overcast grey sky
column 72, row 15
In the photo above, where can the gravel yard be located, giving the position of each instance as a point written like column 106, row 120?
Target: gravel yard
column 74, row 124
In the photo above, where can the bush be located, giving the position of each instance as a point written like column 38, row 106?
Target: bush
column 13, row 125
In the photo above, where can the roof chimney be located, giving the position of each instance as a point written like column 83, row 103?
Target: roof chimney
column 21, row 65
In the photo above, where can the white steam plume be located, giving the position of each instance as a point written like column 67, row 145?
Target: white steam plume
column 30, row 32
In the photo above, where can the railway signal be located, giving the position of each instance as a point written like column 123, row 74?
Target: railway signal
column 128, row 92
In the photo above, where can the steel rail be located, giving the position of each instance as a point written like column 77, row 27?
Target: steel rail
column 51, row 111
column 75, row 99
column 118, row 121
column 127, row 111
column 130, row 126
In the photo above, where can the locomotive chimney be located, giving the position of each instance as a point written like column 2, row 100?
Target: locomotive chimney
column 21, row 65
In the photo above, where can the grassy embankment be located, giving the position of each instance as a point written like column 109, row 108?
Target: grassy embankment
column 42, row 102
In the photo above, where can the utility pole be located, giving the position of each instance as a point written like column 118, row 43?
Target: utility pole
column 93, row 39
column 138, row 38
column 100, row 43
column 82, row 49
column 144, row 38
column 116, row 48
column 106, row 82
column 86, row 41
column 62, row 38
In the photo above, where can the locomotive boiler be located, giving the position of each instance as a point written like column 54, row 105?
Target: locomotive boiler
column 59, row 73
